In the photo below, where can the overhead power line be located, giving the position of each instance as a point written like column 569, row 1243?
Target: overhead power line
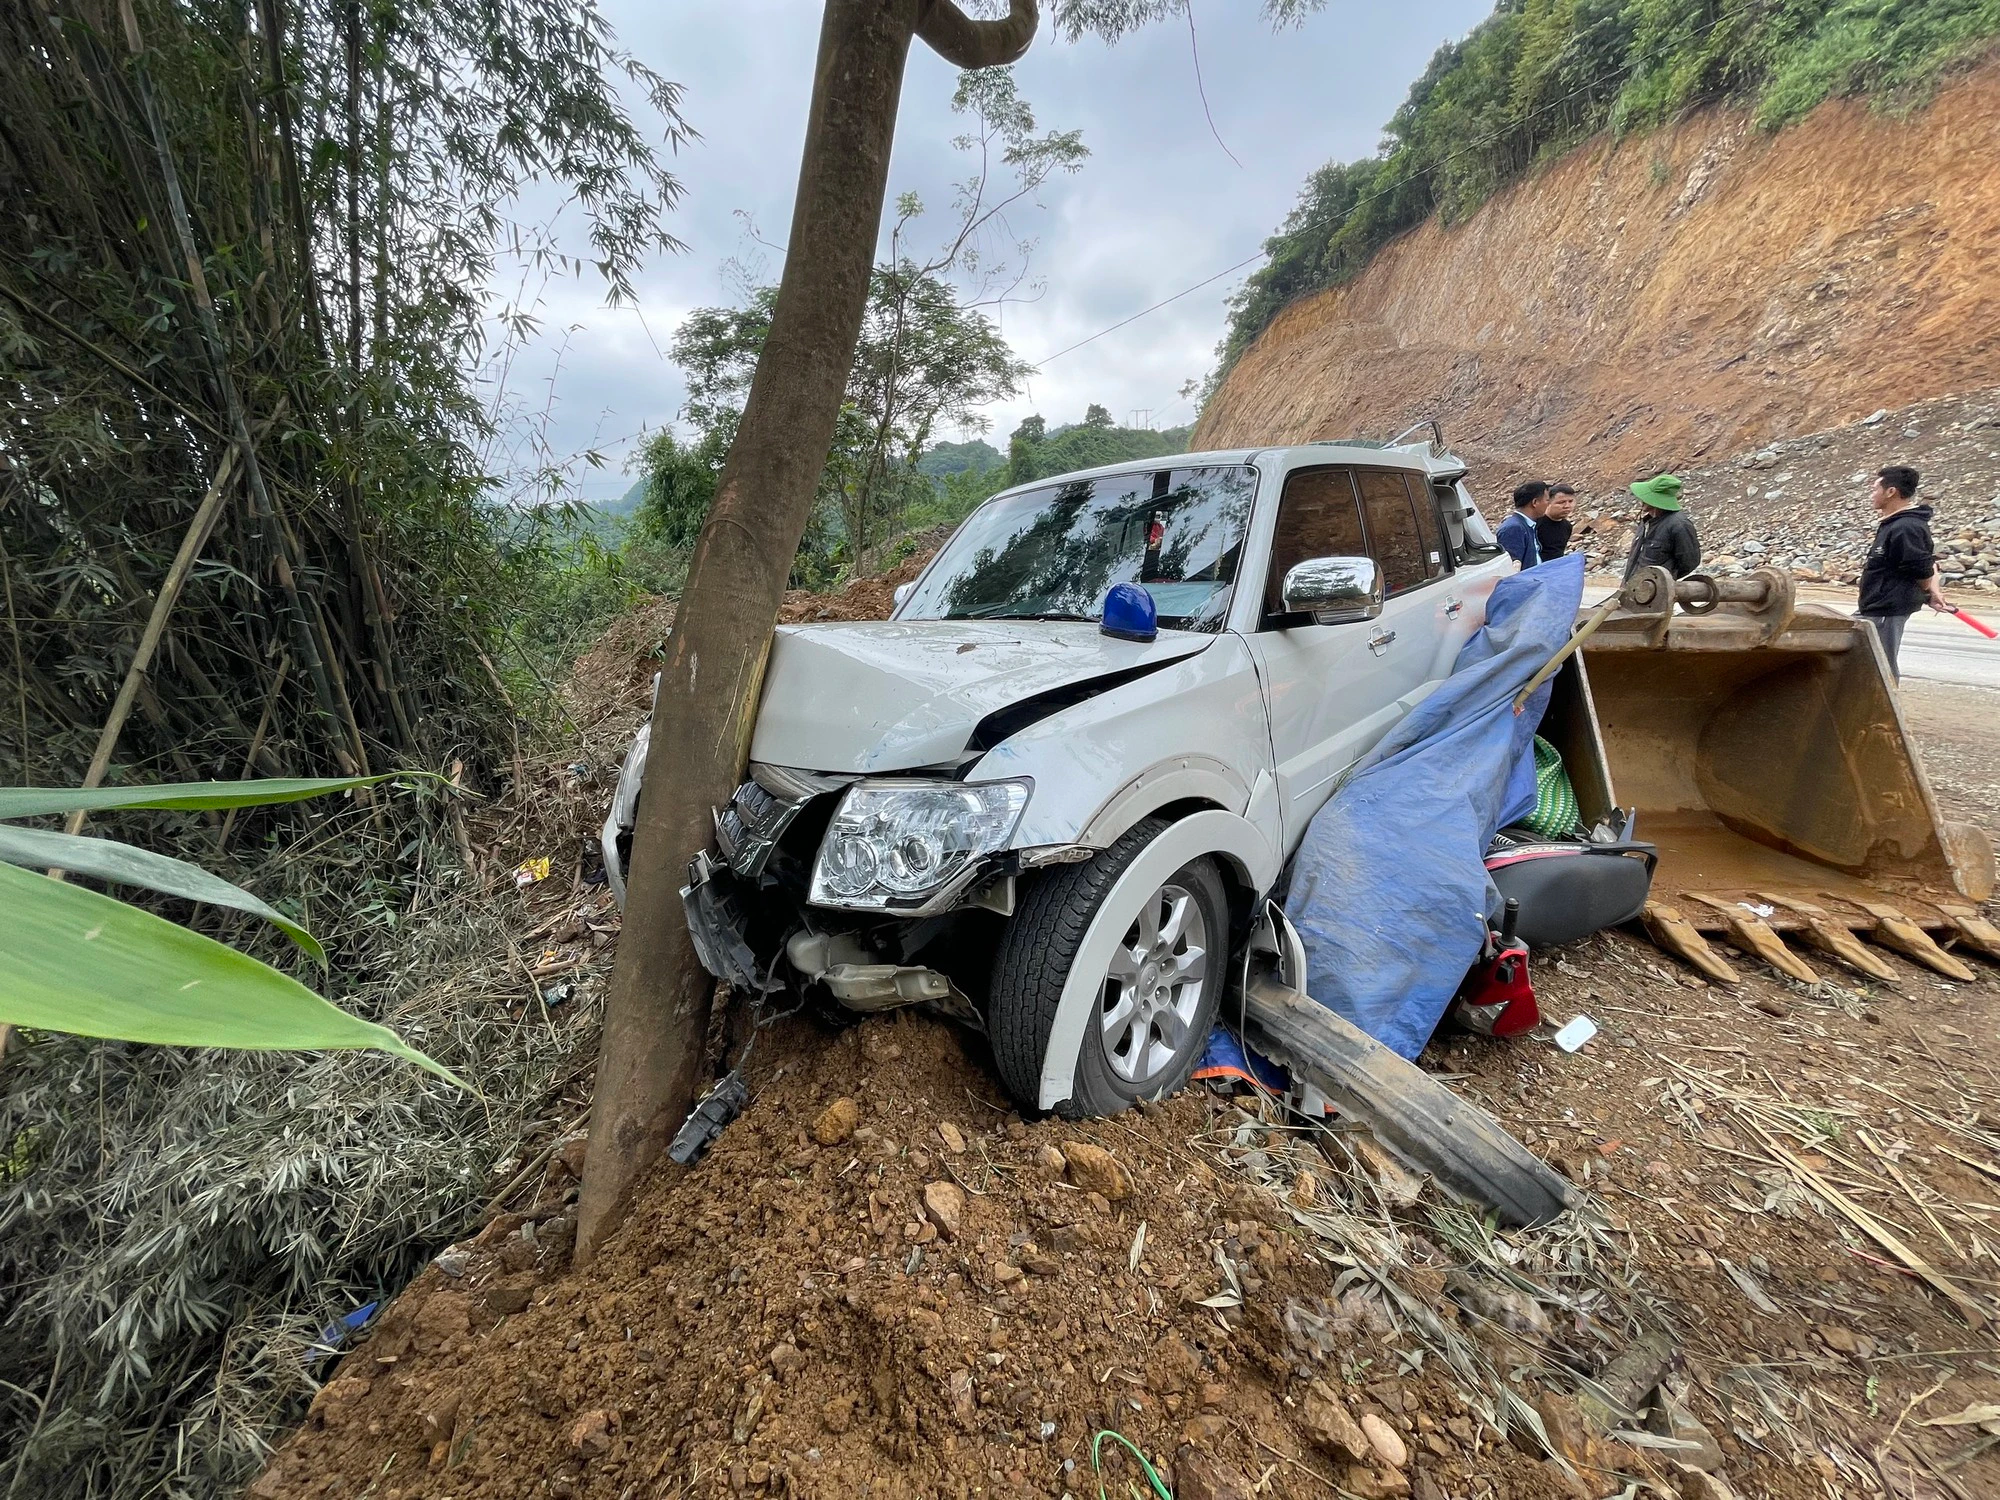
column 1273, row 244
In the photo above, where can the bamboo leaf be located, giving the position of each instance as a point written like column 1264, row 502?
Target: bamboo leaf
column 72, row 960
column 197, row 796
column 121, row 864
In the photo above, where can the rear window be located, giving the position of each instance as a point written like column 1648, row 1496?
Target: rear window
column 1437, row 556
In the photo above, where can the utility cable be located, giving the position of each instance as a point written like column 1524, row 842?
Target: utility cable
column 1272, row 245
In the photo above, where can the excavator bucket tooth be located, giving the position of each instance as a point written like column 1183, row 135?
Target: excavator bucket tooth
column 1754, row 936
column 1894, row 929
column 1676, row 935
column 1829, row 935
column 1973, row 929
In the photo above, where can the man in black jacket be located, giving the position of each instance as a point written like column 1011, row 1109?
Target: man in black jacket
column 1553, row 531
column 1666, row 536
column 1901, row 570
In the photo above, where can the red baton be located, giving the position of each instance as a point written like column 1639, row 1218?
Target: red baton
column 1979, row 625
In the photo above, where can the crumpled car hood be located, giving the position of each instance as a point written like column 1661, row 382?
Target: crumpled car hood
column 893, row 695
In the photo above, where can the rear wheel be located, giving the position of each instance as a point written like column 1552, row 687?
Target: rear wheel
column 1153, row 1005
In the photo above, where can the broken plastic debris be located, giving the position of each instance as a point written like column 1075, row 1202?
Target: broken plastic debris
column 1576, row 1033
column 723, row 1103
column 336, row 1336
column 529, row 871
column 1758, row 909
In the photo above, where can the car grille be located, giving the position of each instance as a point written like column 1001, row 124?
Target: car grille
column 751, row 826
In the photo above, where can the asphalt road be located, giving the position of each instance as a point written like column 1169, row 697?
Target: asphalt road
column 1936, row 648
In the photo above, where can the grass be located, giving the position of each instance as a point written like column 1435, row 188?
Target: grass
column 176, row 1227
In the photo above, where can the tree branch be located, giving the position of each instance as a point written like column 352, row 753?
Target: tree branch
column 966, row 43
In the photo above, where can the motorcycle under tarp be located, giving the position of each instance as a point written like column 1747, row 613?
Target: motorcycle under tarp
column 1389, row 888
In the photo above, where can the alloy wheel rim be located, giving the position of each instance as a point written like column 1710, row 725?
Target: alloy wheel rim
column 1154, row 986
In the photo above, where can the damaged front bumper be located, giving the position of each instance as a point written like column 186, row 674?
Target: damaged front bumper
column 752, row 928
column 719, row 926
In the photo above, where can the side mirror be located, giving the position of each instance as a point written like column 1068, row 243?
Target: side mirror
column 1333, row 590
column 903, row 592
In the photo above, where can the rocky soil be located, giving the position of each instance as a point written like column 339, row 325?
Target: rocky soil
column 883, row 1282
column 1662, row 300
column 1801, row 502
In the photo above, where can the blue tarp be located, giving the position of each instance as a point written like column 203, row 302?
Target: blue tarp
column 1389, row 888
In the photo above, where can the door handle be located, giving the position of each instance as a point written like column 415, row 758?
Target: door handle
column 1381, row 641
column 1452, row 607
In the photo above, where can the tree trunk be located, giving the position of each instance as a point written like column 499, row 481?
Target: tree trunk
column 656, row 1016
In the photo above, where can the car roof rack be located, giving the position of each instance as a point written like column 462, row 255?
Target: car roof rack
column 1437, row 435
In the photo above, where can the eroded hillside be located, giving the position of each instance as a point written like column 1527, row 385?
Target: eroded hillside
column 1650, row 302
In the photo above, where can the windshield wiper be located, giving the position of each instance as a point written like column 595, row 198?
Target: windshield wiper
column 1001, row 612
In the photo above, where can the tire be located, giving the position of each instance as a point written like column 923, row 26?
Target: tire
column 1150, row 1024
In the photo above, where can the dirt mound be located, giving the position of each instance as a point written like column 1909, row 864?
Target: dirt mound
column 907, row 1295
column 1641, row 304
column 864, row 598
column 611, row 682
column 881, row 1283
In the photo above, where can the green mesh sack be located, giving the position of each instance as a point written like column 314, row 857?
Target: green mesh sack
column 1556, row 813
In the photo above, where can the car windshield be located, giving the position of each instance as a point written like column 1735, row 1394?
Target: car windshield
column 1050, row 554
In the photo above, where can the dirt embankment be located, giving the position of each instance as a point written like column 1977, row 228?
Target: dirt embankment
column 1648, row 303
column 882, row 1283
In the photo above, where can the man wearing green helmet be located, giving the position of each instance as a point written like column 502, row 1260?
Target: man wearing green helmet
column 1666, row 535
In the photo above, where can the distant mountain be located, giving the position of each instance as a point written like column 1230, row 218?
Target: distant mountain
column 975, row 457
column 1038, row 452
column 627, row 504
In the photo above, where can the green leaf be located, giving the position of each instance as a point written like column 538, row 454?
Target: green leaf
column 199, row 796
column 121, row 864
column 72, row 960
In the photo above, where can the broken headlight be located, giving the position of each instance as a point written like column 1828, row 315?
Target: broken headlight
column 901, row 841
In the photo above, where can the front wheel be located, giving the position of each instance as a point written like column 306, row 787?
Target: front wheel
column 1153, row 1005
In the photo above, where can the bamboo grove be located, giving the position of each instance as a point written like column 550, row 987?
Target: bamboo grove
column 250, row 525
column 244, row 255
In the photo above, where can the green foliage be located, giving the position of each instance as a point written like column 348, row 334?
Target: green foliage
column 1872, row 46
column 928, row 358
column 345, row 219
column 270, row 235
column 952, row 498
column 1036, row 452
column 572, row 575
column 923, row 360
column 74, row 961
column 1538, row 76
column 717, row 350
column 677, row 479
column 177, row 1225
column 973, row 457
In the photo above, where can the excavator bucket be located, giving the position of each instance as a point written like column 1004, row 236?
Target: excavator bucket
column 1761, row 743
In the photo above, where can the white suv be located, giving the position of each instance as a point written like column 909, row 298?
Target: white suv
column 1057, row 824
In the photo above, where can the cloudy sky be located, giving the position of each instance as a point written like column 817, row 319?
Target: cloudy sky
column 1160, row 204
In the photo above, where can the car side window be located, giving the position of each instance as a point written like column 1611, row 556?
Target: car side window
column 1392, row 526
column 1318, row 516
column 1444, row 500
column 1437, row 555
